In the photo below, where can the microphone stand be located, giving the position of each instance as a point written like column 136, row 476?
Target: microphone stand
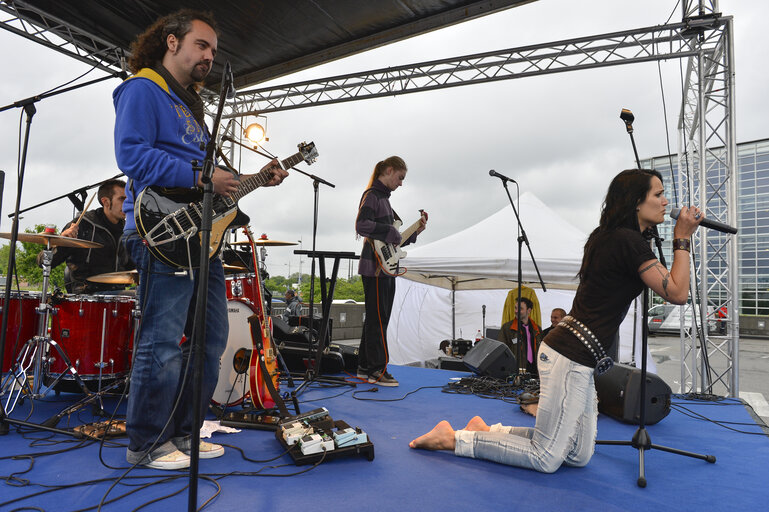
column 28, row 105
column 522, row 238
column 641, row 439
column 197, row 351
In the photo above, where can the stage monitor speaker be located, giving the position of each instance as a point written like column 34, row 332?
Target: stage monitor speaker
column 492, row 358
column 619, row 395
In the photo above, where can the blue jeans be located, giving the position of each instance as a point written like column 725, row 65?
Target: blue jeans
column 167, row 304
column 565, row 429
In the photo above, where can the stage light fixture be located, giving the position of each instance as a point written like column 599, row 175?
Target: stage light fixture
column 255, row 132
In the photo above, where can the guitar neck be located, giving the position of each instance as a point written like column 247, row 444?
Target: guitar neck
column 261, row 178
column 406, row 234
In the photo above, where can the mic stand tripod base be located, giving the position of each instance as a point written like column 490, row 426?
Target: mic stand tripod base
column 642, row 442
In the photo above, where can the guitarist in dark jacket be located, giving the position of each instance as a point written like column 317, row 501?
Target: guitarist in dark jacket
column 159, row 131
column 375, row 222
column 105, row 226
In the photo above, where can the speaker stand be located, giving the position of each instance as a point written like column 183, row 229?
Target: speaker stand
column 641, row 440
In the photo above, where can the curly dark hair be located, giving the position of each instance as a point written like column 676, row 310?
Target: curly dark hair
column 150, row 46
column 627, row 190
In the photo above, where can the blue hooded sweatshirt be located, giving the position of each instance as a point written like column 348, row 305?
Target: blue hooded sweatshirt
column 156, row 137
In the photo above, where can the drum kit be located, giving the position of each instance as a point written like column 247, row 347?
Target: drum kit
column 56, row 341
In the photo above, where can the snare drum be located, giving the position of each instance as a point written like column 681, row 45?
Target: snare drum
column 22, row 323
column 96, row 333
column 233, row 386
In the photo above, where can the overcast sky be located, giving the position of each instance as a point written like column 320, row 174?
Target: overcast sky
column 558, row 136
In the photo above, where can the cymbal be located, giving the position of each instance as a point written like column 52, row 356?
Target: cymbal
column 264, row 241
column 56, row 240
column 233, row 268
column 122, row 277
column 275, row 243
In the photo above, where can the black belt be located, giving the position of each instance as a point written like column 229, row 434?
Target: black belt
column 602, row 361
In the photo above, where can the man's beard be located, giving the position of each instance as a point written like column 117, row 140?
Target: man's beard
column 199, row 74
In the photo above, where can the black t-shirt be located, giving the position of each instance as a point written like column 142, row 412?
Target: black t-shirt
column 603, row 297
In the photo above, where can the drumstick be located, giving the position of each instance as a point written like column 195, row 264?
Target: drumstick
column 84, row 210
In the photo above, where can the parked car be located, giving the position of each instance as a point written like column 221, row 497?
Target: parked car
column 666, row 318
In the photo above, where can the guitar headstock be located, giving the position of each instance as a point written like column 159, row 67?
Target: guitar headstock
column 308, row 151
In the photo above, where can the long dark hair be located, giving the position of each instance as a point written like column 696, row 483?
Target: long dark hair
column 150, row 46
column 626, row 191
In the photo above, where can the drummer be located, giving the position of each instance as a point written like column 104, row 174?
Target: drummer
column 105, row 226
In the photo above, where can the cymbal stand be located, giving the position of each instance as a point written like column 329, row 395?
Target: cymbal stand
column 36, row 353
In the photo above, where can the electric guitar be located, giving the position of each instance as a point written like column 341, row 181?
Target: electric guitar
column 263, row 345
column 168, row 218
column 389, row 254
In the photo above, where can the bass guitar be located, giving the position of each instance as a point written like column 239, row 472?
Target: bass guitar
column 168, row 218
column 389, row 254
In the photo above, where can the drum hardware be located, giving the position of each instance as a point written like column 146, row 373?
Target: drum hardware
column 39, row 349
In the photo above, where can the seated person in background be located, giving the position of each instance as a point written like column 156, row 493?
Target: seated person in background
column 508, row 334
column 105, row 226
column 293, row 305
column 555, row 317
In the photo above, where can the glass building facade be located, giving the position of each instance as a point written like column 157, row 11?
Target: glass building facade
column 752, row 221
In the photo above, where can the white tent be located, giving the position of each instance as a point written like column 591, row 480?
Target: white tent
column 448, row 282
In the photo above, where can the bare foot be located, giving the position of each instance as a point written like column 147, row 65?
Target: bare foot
column 441, row 437
column 477, row 424
column 530, row 409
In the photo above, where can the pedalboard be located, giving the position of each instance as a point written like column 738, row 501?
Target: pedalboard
column 314, row 436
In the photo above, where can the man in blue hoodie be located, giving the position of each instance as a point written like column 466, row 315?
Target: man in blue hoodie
column 159, row 131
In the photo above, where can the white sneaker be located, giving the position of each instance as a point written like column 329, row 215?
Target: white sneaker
column 173, row 460
column 210, row 450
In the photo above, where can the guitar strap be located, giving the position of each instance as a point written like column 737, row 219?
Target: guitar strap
column 256, row 336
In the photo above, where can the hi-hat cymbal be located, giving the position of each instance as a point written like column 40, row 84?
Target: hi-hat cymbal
column 56, row 240
column 122, row 277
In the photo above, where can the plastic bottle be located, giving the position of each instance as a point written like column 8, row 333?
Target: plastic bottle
column 478, row 336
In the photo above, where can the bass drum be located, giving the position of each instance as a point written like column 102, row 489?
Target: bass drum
column 232, row 387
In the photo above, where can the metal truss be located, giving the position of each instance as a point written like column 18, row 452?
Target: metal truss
column 632, row 46
column 707, row 164
column 33, row 24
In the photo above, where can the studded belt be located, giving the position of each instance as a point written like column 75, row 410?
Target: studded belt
column 602, row 361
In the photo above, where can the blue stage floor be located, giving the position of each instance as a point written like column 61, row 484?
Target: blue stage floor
column 54, row 466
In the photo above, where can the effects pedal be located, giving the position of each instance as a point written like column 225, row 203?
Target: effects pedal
column 349, row 437
column 315, row 443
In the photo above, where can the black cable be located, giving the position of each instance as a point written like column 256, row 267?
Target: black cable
column 725, row 424
column 375, row 389
column 248, row 459
column 672, row 12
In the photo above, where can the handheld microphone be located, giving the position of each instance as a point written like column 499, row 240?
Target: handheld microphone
column 708, row 223
column 500, row 176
